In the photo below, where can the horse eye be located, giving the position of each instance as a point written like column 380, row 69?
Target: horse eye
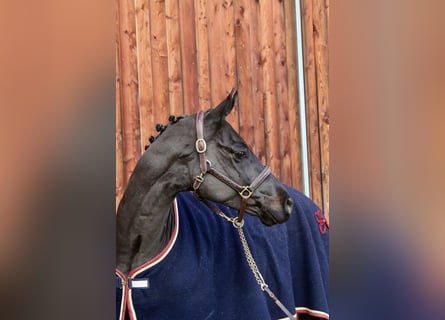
column 240, row 154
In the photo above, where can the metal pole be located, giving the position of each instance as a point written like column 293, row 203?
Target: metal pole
column 302, row 101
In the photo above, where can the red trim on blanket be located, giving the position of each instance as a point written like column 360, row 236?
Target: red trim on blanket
column 127, row 291
column 124, row 295
column 314, row 313
column 167, row 248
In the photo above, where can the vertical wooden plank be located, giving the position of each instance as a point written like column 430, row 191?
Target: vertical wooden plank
column 320, row 19
column 174, row 57
column 129, row 81
column 119, row 155
column 294, row 118
column 216, row 51
column 229, row 58
column 188, row 55
column 202, row 43
column 326, row 5
column 311, row 102
column 257, row 84
column 281, row 89
column 145, row 93
column 159, row 63
column 269, row 89
column 242, row 11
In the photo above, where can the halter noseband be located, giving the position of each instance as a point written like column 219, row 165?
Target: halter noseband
column 245, row 192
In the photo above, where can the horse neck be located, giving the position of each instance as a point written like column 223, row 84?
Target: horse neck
column 144, row 212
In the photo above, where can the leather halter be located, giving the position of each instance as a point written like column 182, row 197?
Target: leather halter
column 245, row 192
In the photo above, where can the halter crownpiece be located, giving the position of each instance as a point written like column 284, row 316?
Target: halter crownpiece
column 245, row 192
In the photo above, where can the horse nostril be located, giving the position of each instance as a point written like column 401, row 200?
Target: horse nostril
column 288, row 205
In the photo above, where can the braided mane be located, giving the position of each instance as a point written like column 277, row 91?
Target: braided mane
column 161, row 128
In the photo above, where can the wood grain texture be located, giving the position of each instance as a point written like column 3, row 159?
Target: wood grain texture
column 320, row 10
column 244, row 71
column 281, row 84
column 257, row 84
column 145, row 70
column 181, row 56
column 292, row 90
column 269, row 89
column 129, row 82
column 202, row 43
column 175, row 82
column 230, row 59
column 159, row 63
column 119, row 151
column 311, row 102
column 189, row 56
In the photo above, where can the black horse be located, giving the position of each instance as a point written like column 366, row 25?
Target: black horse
column 160, row 225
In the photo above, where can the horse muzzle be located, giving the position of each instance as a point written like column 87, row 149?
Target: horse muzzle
column 273, row 209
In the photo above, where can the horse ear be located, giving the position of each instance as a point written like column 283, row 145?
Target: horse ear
column 223, row 109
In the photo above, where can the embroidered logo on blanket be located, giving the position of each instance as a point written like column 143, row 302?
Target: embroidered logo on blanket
column 322, row 222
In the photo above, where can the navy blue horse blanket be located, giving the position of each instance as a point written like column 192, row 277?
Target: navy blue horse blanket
column 203, row 273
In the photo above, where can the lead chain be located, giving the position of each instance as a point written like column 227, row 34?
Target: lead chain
column 250, row 260
column 259, row 278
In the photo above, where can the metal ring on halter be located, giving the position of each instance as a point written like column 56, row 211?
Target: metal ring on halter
column 246, row 192
column 236, row 223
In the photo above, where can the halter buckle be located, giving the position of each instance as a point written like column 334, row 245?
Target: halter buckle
column 199, row 179
column 245, row 192
column 200, row 145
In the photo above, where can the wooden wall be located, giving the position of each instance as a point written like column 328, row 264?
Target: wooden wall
column 181, row 56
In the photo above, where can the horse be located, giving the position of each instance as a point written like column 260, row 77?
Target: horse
column 178, row 257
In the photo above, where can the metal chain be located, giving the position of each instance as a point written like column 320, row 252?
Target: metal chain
column 257, row 274
column 250, row 260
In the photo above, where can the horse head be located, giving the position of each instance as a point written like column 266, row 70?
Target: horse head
column 206, row 143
